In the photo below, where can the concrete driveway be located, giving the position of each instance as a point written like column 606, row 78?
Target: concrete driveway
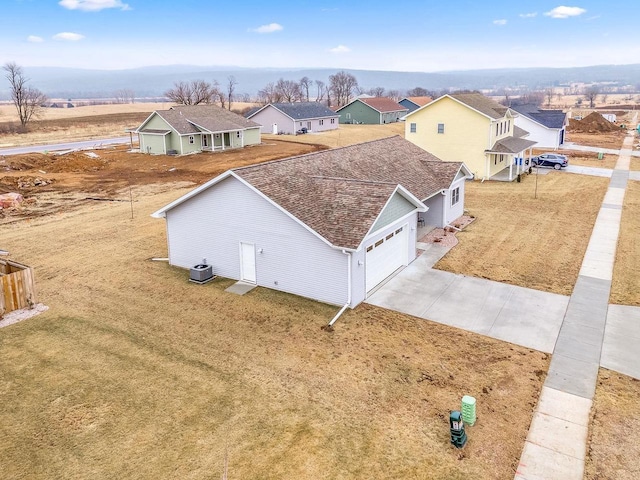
column 514, row 314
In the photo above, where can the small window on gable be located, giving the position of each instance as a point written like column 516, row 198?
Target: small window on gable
column 441, row 128
column 508, row 125
column 455, row 196
column 412, row 128
column 501, row 125
column 191, row 139
column 496, row 129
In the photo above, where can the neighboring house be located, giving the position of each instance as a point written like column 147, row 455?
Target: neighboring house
column 329, row 225
column 187, row 129
column 288, row 118
column 414, row 103
column 473, row 129
column 545, row 127
column 372, row 111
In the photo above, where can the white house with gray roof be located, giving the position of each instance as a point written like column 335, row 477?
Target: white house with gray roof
column 329, row 225
column 289, row 118
column 187, row 129
column 546, row 127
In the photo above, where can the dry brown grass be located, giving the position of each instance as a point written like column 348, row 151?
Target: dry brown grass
column 634, row 164
column 346, row 135
column 135, row 372
column 613, row 452
column 537, row 243
column 590, row 159
column 625, row 287
column 58, row 125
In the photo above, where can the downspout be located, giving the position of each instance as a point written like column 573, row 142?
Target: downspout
column 444, row 209
column 346, row 305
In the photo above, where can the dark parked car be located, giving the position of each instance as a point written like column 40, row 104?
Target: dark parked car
column 302, row 131
column 554, row 160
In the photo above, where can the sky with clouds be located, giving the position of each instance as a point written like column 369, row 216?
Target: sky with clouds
column 404, row 35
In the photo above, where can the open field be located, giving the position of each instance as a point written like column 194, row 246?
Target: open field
column 612, row 451
column 517, row 239
column 135, row 372
column 58, row 125
column 625, row 287
column 346, row 135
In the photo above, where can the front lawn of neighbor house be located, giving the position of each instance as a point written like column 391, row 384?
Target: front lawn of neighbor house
column 520, row 240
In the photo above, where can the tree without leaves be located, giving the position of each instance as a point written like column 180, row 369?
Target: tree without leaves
column 289, row 90
column 320, row 86
column 27, row 100
column 193, row 93
column 231, row 86
column 591, row 94
column 376, row 91
column 269, row 94
column 305, row 85
column 419, row 92
column 394, row 95
column 125, row 95
column 548, row 93
column 342, row 86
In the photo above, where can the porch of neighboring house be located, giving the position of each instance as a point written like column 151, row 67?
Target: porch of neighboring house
column 213, row 141
column 518, row 166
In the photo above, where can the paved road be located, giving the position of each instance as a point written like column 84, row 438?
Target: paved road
column 65, row 146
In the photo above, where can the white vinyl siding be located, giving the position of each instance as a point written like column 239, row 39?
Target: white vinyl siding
column 288, row 257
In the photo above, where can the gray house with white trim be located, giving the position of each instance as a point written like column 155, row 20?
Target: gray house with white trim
column 288, row 118
column 195, row 128
column 329, row 225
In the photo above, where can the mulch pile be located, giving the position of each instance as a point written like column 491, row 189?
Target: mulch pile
column 592, row 123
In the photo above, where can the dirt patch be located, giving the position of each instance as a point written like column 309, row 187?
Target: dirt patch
column 590, row 159
column 612, row 449
column 592, row 123
column 108, row 172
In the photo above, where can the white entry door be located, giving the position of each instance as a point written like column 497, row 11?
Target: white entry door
column 385, row 256
column 275, row 128
column 247, row 262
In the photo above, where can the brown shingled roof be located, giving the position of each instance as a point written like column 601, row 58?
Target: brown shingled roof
column 186, row 119
column 420, row 101
column 483, row 104
column 339, row 193
column 383, row 104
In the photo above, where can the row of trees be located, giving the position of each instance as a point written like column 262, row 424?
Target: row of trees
column 198, row 92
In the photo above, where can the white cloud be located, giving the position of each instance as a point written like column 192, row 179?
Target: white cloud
column 565, row 12
column 93, row 5
column 270, row 28
column 340, row 49
column 35, row 39
column 528, row 15
column 68, row 36
column 501, row 21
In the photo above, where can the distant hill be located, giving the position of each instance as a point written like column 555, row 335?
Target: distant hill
column 153, row 81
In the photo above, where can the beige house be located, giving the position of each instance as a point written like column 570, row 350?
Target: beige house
column 473, row 129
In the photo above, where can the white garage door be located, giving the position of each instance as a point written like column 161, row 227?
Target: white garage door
column 385, row 256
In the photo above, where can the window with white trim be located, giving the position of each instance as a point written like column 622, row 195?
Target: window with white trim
column 455, row 196
column 333, row 120
column 441, row 128
column 412, row 127
column 191, row 139
column 238, row 134
column 321, row 122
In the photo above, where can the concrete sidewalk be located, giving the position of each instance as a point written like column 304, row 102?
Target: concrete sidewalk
column 556, row 443
column 593, row 171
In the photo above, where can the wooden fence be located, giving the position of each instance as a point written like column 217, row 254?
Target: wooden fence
column 17, row 287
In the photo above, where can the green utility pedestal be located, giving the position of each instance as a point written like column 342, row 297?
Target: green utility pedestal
column 456, row 425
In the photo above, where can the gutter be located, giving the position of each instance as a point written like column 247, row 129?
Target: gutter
column 346, row 305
